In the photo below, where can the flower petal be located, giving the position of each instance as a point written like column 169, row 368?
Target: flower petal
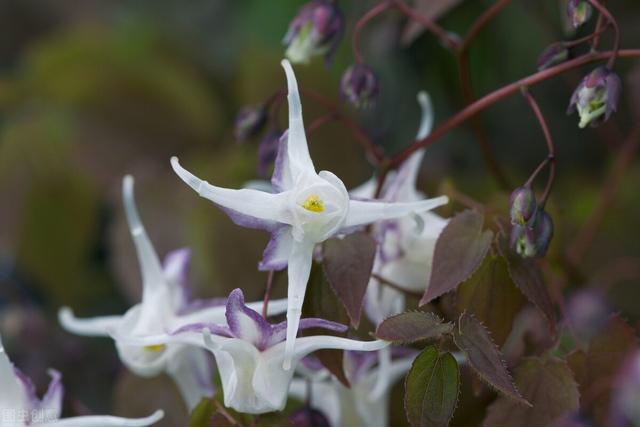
column 246, row 207
column 51, row 403
column 382, row 383
column 307, row 345
column 152, row 274
column 175, row 267
column 276, row 254
column 245, row 323
column 279, row 330
column 297, row 149
column 298, row 274
column 12, row 393
column 106, row 421
column 92, row 326
column 365, row 212
column 192, row 372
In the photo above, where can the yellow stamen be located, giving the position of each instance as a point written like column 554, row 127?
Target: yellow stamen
column 313, row 203
column 155, row 347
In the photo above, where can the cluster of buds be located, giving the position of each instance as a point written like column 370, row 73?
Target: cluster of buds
column 579, row 12
column 315, row 31
column 596, row 97
column 359, row 85
column 532, row 226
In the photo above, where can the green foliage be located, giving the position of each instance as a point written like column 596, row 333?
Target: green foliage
column 412, row 326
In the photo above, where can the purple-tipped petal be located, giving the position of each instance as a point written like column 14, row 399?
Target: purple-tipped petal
column 51, row 403
column 276, row 254
column 279, row 331
column 214, row 328
column 245, row 323
column 175, row 267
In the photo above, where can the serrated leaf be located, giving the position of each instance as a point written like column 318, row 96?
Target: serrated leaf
column 545, row 382
column 412, row 326
column 321, row 302
column 528, row 278
column 431, row 388
column 348, row 263
column 484, row 356
column 492, row 297
column 460, row 249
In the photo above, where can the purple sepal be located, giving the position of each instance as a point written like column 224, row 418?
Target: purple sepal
column 268, row 150
column 200, row 304
column 214, row 328
column 29, row 388
column 281, row 165
column 276, row 254
column 245, row 323
column 247, row 221
column 52, row 399
column 279, row 331
column 312, row 362
column 358, row 363
column 176, row 267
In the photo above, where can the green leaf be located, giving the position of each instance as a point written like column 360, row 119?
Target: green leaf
column 412, row 326
column 459, row 251
column 348, row 263
column 202, row 414
column 545, row 382
column 431, row 388
column 528, row 278
column 484, row 357
column 492, row 297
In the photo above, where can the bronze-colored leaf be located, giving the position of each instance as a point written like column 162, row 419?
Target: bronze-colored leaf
column 412, row 326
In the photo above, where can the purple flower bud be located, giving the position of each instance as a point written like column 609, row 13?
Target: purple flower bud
column 523, row 205
column 267, row 150
column 579, row 12
column 308, row 417
column 532, row 239
column 359, row 85
column 315, row 31
column 554, row 54
column 249, row 122
column 596, row 97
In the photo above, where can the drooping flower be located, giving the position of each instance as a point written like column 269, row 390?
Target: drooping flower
column 249, row 353
column 315, row 31
column 533, row 239
column 358, row 405
column 306, row 208
column 19, row 405
column 553, row 54
column 523, row 205
column 596, row 97
column 359, row 85
column 579, row 12
column 165, row 306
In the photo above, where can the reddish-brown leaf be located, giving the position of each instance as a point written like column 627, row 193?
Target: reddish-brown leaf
column 347, row 264
column 458, row 253
column 412, row 326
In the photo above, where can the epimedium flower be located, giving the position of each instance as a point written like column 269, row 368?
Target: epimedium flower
column 250, row 351
column 305, row 208
column 357, row 405
column 596, row 97
column 19, row 405
column 315, row 31
column 166, row 306
column 579, row 12
column 533, row 238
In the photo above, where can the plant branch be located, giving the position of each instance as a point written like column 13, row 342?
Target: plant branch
column 448, row 40
column 267, row 294
column 355, row 38
column 616, row 30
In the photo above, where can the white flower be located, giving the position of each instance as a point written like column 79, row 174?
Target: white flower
column 19, row 405
column 358, row 405
column 165, row 307
column 406, row 244
column 249, row 353
column 306, row 208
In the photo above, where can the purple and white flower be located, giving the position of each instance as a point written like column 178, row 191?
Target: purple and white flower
column 166, row 306
column 306, row 208
column 19, row 405
column 249, row 352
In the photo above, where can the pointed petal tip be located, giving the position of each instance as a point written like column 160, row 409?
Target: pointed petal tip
column 190, row 179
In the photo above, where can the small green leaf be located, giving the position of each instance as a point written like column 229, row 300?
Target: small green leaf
column 459, row 251
column 548, row 384
column 412, row 326
column 484, row 357
column 431, row 388
column 348, row 263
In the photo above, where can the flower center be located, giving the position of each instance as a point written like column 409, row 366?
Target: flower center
column 155, row 347
column 313, row 203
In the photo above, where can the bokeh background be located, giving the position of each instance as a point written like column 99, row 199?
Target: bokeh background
column 91, row 90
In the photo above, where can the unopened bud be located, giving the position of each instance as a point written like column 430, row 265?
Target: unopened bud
column 315, row 31
column 523, row 205
column 596, row 97
column 554, row 54
column 308, row 417
column 359, row 85
column 579, row 12
column 249, row 122
column 532, row 240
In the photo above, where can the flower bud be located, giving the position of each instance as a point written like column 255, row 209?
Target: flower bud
column 315, row 31
column 532, row 240
column 359, row 85
column 267, row 150
column 249, row 122
column 579, row 12
column 523, row 205
column 308, row 417
column 554, row 54
column 596, row 97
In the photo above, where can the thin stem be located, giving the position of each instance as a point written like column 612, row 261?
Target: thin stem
column 482, row 21
column 319, row 122
column 221, row 409
column 445, row 37
column 503, row 93
column 267, row 294
column 600, row 26
column 355, row 38
column 616, row 30
column 593, row 36
column 395, row 286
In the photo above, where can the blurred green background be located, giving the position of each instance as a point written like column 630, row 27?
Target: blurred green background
column 91, row 90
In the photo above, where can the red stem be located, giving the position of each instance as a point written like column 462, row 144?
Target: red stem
column 267, row 294
column 445, row 37
column 616, row 30
column 355, row 40
column 481, row 22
